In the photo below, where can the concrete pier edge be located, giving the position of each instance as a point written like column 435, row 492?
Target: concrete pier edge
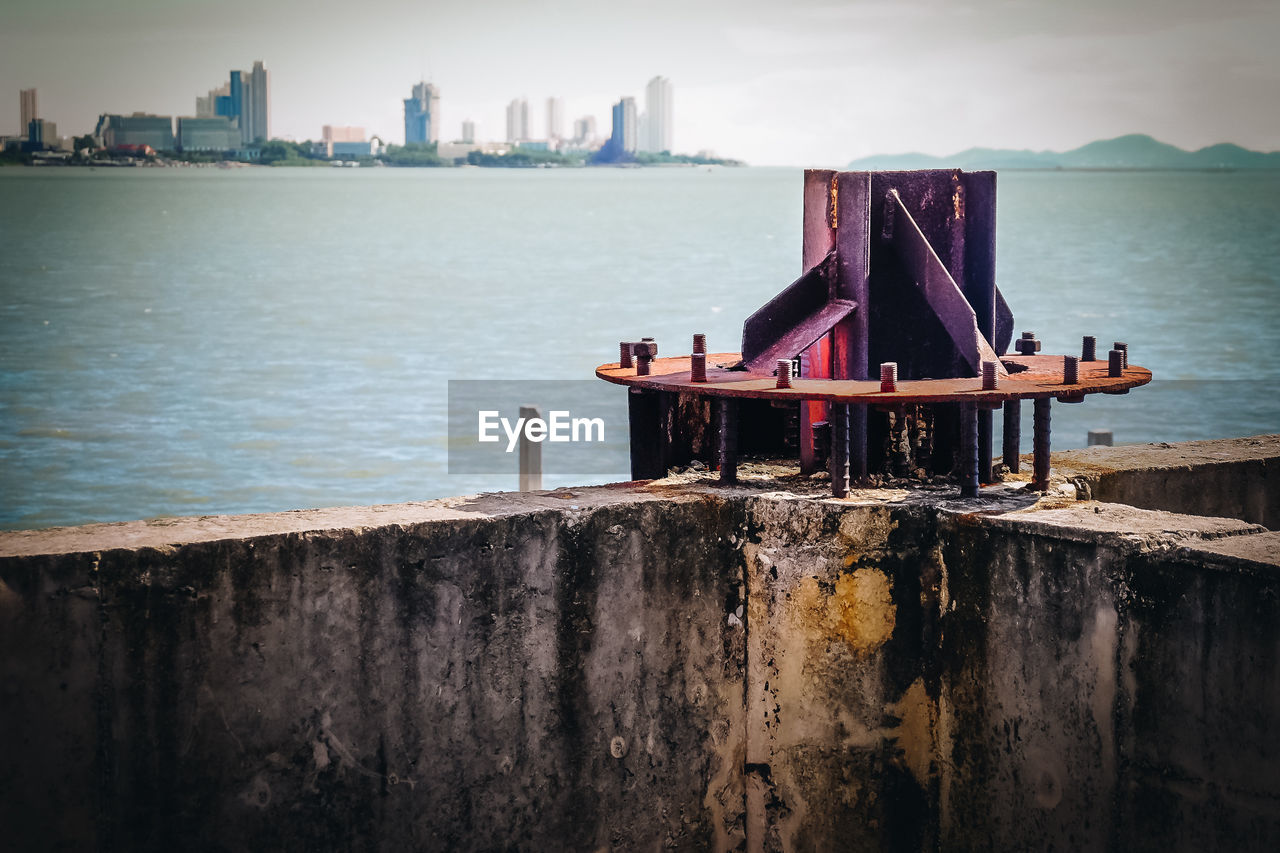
column 671, row 663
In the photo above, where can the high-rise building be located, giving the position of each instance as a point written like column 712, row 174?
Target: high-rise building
column 245, row 99
column 518, row 120
column 555, row 118
column 623, row 140
column 207, row 107
column 422, row 114
column 658, row 116
column 256, row 107
column 30, row 110
column 468, row 131
column 41, row 135
column 584, row 130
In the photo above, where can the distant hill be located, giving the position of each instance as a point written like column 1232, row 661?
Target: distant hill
column 1135, row 151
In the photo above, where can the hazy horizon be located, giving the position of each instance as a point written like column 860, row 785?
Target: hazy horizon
column 815, row 83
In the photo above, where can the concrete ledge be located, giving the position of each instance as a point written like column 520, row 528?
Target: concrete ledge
column 1231, row 478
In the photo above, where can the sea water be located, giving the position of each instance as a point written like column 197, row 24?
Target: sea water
column 193, row 341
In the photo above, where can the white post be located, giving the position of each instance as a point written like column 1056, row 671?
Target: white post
column 530, row 454
column 1100, row 436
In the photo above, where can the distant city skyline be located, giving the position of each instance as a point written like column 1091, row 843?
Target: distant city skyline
column 841, row 79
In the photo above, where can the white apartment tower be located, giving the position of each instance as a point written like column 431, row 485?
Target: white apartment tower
column 657, row 122
column 518, row 120
column 555, row 119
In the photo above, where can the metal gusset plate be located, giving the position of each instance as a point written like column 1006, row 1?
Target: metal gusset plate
column 792, row 321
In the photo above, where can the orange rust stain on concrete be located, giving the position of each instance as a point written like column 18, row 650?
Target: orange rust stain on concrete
column 860, row 610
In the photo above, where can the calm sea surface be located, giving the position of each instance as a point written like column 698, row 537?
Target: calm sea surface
column 177, row 342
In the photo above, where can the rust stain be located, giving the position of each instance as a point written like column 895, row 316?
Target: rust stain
column 915, row 733
column 832, row 196
column 862, row 609
column 859, row 610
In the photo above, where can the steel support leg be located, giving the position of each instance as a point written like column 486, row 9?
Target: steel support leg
column 1012, row 434
column 645, row 421
column 857, row 442
column 1040, row 468
column 727, row 419
column 968, row 450
column 984, row 446
column 839, row 449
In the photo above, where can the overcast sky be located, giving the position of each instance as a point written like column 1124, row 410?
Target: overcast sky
column 807, row 82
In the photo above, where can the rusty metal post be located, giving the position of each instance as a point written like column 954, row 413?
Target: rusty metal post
column 968, row 450
column 1040, row 466
column 727, row 426
column 1012, row 434
column 974, row 207
column 985, row 461
column 818, row 239
column 851, row 342
column 840, row 449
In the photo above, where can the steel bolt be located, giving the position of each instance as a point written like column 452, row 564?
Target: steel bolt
column 889, row 376
column 624, row 349
column 1027, row 345
column 645, row 351
column 698, row 367
column 1070, row 370
column 1124, row 349
column 1089, row 349
column 990, row 377
column 1115, row 363
column 784, row 373
column 700, row 343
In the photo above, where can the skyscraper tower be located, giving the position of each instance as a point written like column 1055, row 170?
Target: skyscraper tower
column 555, row 118
column 658, row 109
column 30, row 110
column 233, row 106
column 422, row 114
column 623, row 140
column 245, row 99
column 257, row 103
column 468, row 131
column 518, row 120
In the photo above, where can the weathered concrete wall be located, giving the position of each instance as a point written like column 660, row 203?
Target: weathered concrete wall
column 548, row 679
column 1122, row 682
column 642, row 667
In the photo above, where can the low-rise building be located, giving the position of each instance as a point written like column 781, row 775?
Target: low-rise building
column 362, row 148
column 459, row 150
column 342, row 141
column 117, row 131
column 217, row 133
